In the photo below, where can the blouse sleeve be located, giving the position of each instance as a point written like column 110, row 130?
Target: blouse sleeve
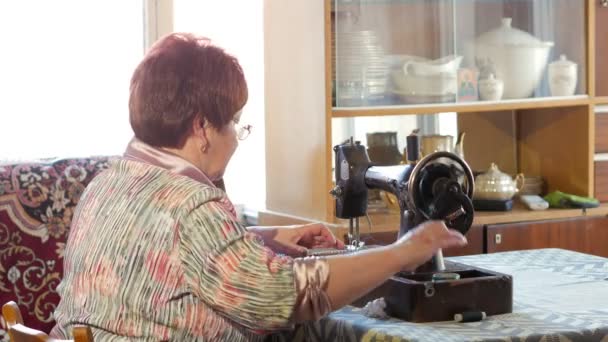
column 232, row 271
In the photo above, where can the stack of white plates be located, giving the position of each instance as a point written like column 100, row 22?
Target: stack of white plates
column 360, row 66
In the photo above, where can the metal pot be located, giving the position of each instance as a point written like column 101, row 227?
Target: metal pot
column 435, row 143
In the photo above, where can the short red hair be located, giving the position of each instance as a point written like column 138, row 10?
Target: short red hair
column 182, row 77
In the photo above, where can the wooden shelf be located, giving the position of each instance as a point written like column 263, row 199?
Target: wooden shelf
column 390, row 221
column 522, row 214
column 481, row 106
column 601, row 100
column 602, row 210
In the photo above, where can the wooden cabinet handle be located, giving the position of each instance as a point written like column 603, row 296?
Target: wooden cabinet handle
column 498, row 239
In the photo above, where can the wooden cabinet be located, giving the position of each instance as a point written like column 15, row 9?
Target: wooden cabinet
column 601, row 51
column 601, row 153
column 546, row 136
column 601, row 180
column 601, row 131
column 475, row 245
column 585, row 234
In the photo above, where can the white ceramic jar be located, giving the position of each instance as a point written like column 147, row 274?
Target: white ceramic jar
column 491, row 88
column 562, row 77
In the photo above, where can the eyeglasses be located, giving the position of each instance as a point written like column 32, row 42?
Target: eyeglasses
column 242, row 131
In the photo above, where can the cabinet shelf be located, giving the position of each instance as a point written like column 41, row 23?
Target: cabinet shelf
column 522, row 214
column 485, row 106
column 390, row 221
column 602, row 210
column 601, row 100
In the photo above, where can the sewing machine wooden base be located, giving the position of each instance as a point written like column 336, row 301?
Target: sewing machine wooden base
column 415, row 297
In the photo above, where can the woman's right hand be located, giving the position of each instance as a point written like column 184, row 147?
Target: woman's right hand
column 419, row 244
column 353, row 275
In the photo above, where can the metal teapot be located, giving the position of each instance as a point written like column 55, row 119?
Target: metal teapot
column 435, row 143
column 497, row 185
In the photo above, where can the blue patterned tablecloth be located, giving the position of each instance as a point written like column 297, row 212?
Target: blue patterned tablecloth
column 559, row 295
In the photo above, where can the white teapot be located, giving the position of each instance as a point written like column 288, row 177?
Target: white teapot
column 497, row 185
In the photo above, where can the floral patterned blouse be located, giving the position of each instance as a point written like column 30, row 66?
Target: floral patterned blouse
column 156, row 254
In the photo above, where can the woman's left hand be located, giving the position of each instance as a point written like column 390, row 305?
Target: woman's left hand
column 296, row 240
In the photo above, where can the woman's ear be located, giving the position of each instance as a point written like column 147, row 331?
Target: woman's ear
column 199, row 131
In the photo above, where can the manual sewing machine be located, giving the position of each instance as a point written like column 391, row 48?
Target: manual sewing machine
column 438, row 187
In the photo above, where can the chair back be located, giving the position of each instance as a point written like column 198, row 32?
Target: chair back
column 20, row 333
column 11, row 314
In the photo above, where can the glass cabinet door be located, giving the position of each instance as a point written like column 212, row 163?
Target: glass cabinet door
column 417, row 52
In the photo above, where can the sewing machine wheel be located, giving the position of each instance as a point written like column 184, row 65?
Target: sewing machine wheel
column 440, row 188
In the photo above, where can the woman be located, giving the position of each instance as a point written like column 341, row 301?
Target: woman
column 155, row 250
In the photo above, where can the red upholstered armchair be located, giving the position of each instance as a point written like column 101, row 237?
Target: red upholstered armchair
column 37, row 201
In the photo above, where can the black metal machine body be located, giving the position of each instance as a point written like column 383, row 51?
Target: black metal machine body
column 437, row 187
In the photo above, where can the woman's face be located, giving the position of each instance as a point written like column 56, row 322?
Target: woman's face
column 222, row 144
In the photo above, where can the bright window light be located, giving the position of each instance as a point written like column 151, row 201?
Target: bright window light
column 65, row 68
column 237, row 26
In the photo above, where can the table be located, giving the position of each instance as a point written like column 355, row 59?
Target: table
column 559, row 295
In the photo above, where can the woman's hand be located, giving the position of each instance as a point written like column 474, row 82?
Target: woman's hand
column 296, row 240
column 421, row 243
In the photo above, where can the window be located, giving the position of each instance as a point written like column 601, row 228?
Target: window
column 65, row 69
column 237, row 26
column 64, row 76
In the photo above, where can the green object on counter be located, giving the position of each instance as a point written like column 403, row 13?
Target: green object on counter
column 558, row 199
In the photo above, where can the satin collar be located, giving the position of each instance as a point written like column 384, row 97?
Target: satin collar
column 141, row 152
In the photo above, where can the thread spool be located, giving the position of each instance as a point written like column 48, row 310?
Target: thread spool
column 412, row 148
column 470, row 316
column 442, row 276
